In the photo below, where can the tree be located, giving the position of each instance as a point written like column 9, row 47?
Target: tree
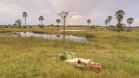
column 89, row 22
column 18, row 22
column 109, row 19
column 25, row 15
column 130, row 21
column 64, row 16
column 41, row 19
column 119, row 16
column 58, row 21
column 106, row 22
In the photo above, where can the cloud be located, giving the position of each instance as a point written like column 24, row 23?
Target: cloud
column 76, row 19
column 10, row 9
column 80, row 10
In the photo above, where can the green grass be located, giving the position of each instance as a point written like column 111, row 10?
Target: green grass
column 117, row 52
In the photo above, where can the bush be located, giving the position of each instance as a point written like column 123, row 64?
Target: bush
column 120, row 27
column 89, row 36
column 128, row 30
column 93, row 27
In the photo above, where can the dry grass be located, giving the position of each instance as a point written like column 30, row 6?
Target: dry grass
column 37, row 58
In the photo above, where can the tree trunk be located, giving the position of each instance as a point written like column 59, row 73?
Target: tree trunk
column 41, row 23
column 25, row 22
column 106, row 26
column 64, row 31
column 57, row 24
column 130, row 26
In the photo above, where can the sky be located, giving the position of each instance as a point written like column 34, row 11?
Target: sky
column 80, row 10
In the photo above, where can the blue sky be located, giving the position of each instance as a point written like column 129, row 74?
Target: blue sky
column 80, row 10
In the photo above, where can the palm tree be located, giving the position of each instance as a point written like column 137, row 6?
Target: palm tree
column 89, row 22
column 18, row 22
column 41, row 19
column 130, row 21
column 58, row 21
column 109, row 19
column 64, row 16
column 119, row 16
column 106, row 22
column 25, row 15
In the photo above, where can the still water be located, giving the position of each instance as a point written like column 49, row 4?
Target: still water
column 53, row 36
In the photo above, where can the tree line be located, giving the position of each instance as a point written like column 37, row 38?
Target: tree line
column 64, row 15
column 119, row 16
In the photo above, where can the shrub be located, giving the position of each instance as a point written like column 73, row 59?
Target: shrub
column 120, row 27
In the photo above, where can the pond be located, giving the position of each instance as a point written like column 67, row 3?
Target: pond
column 72, row 30
column 53, row 36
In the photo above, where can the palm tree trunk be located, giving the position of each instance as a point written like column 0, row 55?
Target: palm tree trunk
column 25, row 22
column 88, row 25
column 41, row 23
column 129, row 26
column 64, row 31
column 57, row 24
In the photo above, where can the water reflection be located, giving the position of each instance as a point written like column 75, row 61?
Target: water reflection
column 53, row 36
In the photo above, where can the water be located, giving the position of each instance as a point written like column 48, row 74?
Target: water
column 53, row 36
column 73, row 30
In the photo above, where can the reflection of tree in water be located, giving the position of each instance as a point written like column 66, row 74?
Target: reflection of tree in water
column 25, row 34
column 41, row 36
column 52, row 36
column 19, row 34
column 57, row 35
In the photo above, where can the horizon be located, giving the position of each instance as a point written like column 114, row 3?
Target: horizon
column 96, row 10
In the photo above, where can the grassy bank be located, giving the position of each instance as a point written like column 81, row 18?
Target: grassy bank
column 117, row 52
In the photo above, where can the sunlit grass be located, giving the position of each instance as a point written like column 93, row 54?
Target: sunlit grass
column 117, row 52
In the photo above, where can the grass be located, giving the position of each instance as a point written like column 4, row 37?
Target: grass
column 117, row 52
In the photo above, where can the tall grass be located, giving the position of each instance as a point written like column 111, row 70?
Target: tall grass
column 118, row 53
